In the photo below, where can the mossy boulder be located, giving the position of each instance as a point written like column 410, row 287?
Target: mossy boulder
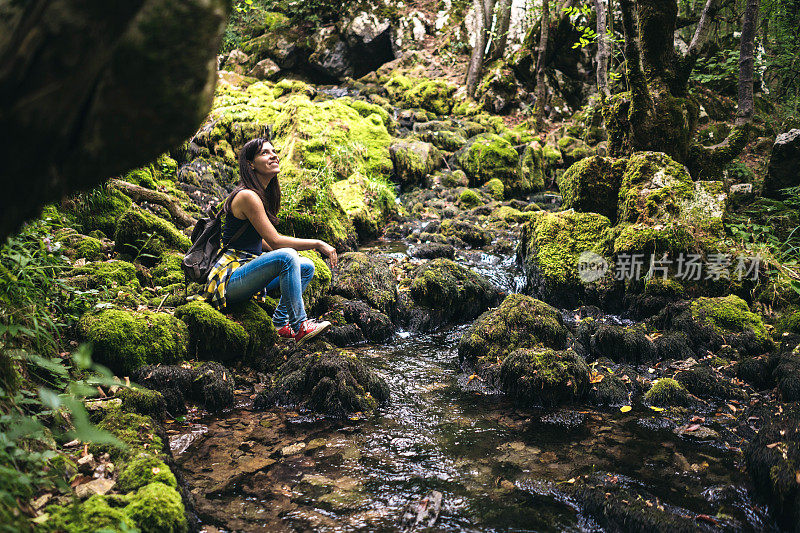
column 105, row 274
column 704, row 382
column 519, row 322
column 469, row 198
column 773, row 460
column 158, row 508
column 332, row 382
column 498, row 88
column 143, row 401
column 168, row 271
column 495, row 188
column 468, row 232
column 257, row 322
column 543, row 376
column 554, row 245
column 452, row 290
column 789, row 323
column 488, row 156
column 534, row 167
column 143, row 470
column 370, row 323
column 98, row 209
column 447, row 136
column 368, row 204
column 432, row 95
column 413, row 161
column 95, row 514
column 367, row 278
column 592, row 185
column 621, row 344
column 127, row 340
column 666, row 392
column 146, row 236
column 573, row 150
column 212, row 335
column 138, row 433
column 787, row 374
column 730, row 317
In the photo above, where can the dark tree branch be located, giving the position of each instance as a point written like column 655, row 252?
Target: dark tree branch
column 744, row 112
column 137, row 193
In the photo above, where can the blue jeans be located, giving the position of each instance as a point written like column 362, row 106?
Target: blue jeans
column 282, row 268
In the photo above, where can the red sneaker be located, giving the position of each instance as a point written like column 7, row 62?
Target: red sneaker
column 310, row 329
column 286, row 332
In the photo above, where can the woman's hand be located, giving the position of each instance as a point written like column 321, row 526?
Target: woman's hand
column 326, row 249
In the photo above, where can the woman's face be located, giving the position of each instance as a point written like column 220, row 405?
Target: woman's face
column 266, row 162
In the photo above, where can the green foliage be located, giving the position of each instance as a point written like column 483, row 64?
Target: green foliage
column 720, row 71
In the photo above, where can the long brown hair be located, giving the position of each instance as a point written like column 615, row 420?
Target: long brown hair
column 271, row 195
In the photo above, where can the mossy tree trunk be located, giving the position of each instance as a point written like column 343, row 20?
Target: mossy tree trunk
column 658, row 113
column 500, row 34
column 603, row 47
column 541, row 89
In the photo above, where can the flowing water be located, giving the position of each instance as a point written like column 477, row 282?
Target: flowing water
column 498, row 467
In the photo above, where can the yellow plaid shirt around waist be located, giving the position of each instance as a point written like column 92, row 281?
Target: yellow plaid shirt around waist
column 220, row 275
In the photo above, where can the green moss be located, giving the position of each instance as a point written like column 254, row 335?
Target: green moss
column 90, row 248
column 656, row 286
column 519, row 322
column 143, row 401
column 469, row 198
column 114, row 273
column 789, row 322
column 157, row 508
column 653, row 188
column 168, row 271
column 591, row 185
column 554, row 241
column 431, row 95
column 488, row 156
column 126, row 340
column 137, row 432
column 413, row 161
column 533, row 168
column 320, row 283
column 95, row 514
column 455, row 290
column 147, row 236
column 367, row 278
column 673, row 238
column 495, row 188
column 365, row 109
column 257, row 323
column 143, row 470
column 98, row 209
column 544, row 376
column 471, row 234
column 729, row 314
column 666, row 392
column 212, row 336
column 573, row 150
column 142, row 177
column 368, row 203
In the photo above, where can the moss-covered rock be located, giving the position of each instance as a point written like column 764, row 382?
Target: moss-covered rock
column 789, row 323
column 592, row 185
column 498, row 88
column 447, row 136
column 469, row 198
column 137, row 432
column 413, row 161
column 431, row 95
column 126, row 340
column 333, row 382
column 773, row 460
column 494, row 188
column 367, row 278
column 368, row 203
column 787, row 375
column 213, row 385
column 172, row 381
column 98, row 209
column 143, row 470
column 573, row 150
column 372, row 325
column 704, row 382
column 257, row 322
column 146, row 236
column 622, row 344
column 157, row 508
column 95, row 514
column 212, row 336
column 519, row 322
column 544, row 376
column 731, row 318
column 666, row 392
column 453, row 290
column 105, row 274
column 168, row 271
column 143, row 401
column 488, row 156
column 470, row 233
column 552, row 247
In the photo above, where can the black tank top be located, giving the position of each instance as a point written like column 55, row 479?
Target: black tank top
column 249, row 241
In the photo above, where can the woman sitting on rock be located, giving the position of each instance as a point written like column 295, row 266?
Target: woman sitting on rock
column 246, row 269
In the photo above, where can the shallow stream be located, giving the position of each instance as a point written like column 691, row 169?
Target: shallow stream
column 497, row 467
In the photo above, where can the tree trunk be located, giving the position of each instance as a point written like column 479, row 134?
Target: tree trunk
column 476, row 59
column 541, row 90
column 744, row 112
column 698, row 40
column 498, row 46
column 603, row 47
column 181, row 218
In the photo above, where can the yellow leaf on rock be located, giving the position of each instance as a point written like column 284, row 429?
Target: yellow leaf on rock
column 625, row 408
